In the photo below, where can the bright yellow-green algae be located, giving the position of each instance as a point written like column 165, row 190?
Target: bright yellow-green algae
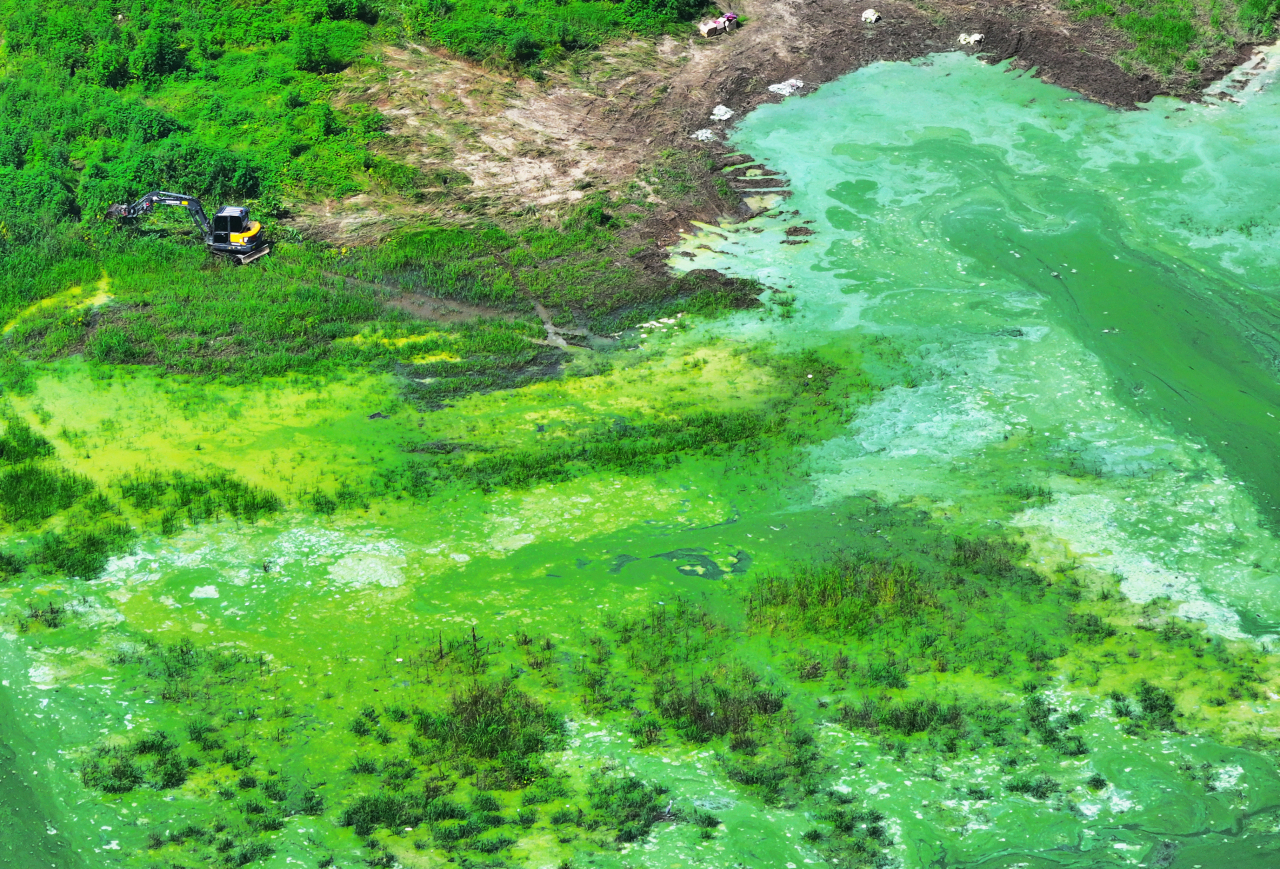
column 361, row 608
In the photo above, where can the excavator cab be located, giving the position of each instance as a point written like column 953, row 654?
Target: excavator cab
column 228, row 220
column 235, row 234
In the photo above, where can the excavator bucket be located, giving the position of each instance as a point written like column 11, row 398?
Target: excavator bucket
column 117, row 211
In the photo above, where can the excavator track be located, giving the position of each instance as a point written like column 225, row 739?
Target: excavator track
column 245, row 259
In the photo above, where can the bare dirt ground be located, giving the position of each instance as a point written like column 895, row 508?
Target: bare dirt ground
column 597, row 119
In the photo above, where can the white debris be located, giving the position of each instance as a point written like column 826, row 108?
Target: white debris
column 1228, row 777
column 721, row 113
column 870, row 16
column 703, row 135
column 970, row 38
column 361, row 569
column 786, row 88
column 205, row 591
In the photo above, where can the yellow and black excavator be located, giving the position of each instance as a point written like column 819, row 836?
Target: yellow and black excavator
column 231, row 234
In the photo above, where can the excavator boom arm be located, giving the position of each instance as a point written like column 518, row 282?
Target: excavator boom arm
column 160, row 197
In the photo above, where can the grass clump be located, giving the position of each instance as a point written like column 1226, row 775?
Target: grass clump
column 1177, row 36
column 1040, row 787
column 631, row 805
column 499, row 723
column 197, row 497
column 118, row 769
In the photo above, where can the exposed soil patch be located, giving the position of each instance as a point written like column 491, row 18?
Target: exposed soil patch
column 446, row 310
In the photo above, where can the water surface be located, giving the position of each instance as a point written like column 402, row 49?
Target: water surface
column 1105, row 285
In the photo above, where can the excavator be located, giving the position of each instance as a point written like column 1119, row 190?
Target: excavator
column 231, row 234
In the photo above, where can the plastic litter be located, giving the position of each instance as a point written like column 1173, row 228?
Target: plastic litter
column 870, row 16
column 970, row 38
column 721, row 113
column 717, row 26
column 703, row 135
column 786, row 88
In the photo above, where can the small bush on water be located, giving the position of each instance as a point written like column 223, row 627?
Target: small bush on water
column 364, row 766
column 1089, row 628
column 83, row 553
column 484, row 803
column 115, row 769
column 382, row 809
column 250, row 854
column 492, row 844
column 51, row 615
column 700, row 711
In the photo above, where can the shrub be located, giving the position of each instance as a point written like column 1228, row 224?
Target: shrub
column 489, row 720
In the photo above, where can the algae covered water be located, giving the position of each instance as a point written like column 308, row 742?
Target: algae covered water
column 1014, row 371
column 1106, row 282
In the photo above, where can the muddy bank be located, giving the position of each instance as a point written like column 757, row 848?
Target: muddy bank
column 822, row 40
column 521, row 143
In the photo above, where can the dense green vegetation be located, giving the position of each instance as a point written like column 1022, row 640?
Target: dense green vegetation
column 513, row 35
column 102, row 101
column 309, row 309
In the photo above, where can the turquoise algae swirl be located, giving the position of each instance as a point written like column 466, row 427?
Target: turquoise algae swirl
column 1105, row 284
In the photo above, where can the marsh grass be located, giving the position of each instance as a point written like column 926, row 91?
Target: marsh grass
column 117, row 769
column 628, row 448
column 814, row 397
column 196, row 498
column 934, row 605
column 35, row 488
column 493, row 721
column 468, row 757
column 630, row 805
column 32, row 492
column 21, row 443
